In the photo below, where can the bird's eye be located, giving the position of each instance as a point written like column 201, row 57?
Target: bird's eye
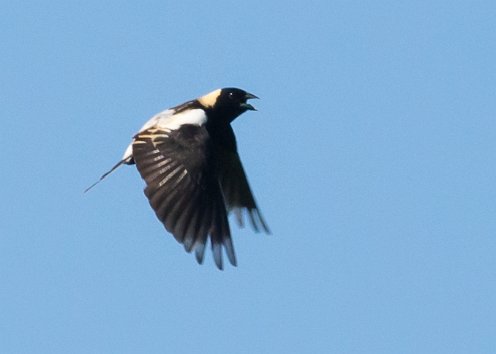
column 230, row 95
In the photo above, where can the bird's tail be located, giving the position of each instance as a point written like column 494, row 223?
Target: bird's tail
column 123, row 161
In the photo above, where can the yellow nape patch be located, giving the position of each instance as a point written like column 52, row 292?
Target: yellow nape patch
column 210, row 98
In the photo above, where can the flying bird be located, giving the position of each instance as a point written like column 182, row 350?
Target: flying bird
column 194, row 177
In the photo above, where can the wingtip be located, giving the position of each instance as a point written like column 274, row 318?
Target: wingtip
column 200, row 254
column 217, row 253
column 231, row 255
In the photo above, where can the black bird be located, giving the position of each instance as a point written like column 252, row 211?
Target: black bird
column 188, row 157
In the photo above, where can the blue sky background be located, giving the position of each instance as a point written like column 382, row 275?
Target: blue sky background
column 372, row 157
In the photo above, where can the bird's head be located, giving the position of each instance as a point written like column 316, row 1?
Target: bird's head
column 227, row 103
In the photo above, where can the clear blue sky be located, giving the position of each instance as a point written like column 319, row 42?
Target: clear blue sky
column 372, row 157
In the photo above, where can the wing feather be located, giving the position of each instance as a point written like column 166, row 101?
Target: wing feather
column 182, row 186
column 237, row 192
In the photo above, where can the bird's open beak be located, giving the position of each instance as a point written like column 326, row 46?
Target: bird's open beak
column 250, row 96
column 247, row 106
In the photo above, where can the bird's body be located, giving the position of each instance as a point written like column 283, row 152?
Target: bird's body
column 188, row 157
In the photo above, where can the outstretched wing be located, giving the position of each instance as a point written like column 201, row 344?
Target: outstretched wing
column 237, row 193
column 183, row 188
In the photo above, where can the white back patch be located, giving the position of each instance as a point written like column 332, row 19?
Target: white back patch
column 156, row 118
column 175, row 121
column 169, row 121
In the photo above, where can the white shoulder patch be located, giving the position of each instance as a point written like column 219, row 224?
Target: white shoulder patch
column 174, row 121
column 164, row 115
column 170, row 121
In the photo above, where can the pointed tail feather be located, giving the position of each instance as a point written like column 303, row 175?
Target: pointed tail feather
column 106, row 174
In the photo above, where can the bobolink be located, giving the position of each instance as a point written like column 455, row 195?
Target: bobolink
column 188, row 157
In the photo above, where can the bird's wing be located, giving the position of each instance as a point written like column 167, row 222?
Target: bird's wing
column 237, row 193
column 183, row 188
